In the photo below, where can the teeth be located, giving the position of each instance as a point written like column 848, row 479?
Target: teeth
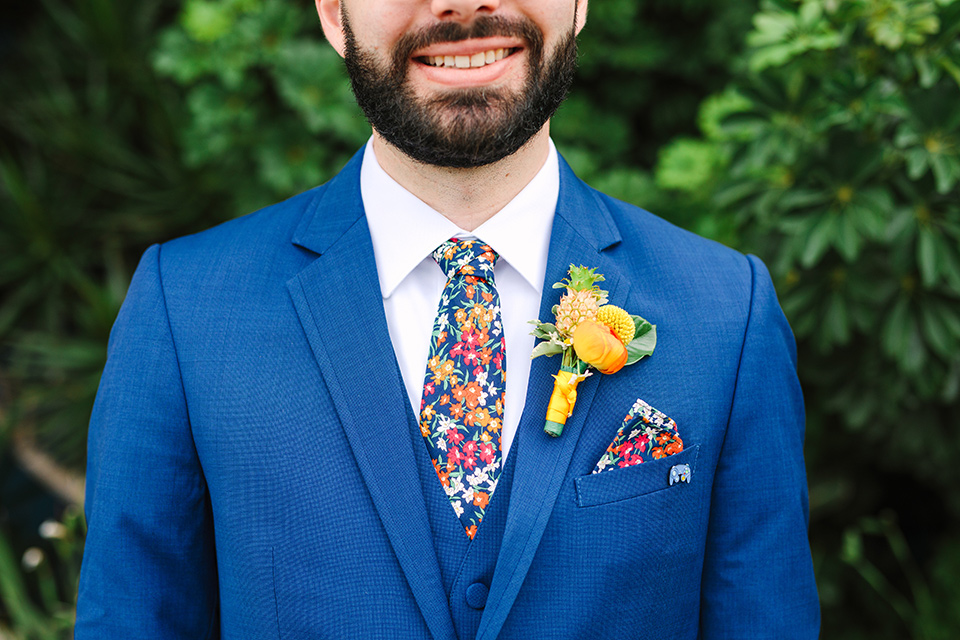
column 468, row 62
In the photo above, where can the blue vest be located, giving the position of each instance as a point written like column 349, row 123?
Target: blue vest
column 466, row 566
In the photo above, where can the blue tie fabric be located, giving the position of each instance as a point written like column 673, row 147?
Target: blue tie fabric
column 461, row 410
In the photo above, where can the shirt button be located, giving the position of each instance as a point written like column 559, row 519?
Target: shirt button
column 477, row 595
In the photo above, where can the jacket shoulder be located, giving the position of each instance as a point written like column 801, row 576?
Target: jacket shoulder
column 680, row 260
column 260, row 237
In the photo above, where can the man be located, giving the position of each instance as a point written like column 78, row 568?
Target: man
column 265, row 456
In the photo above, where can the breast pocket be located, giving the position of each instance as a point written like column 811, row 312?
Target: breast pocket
column 639, row 480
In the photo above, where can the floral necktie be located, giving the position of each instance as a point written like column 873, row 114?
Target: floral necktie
column 461, row 412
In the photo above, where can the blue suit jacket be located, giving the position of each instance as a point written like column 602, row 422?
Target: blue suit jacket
column 251, row 472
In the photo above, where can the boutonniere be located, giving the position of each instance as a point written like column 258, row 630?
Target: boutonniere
column 589, row 333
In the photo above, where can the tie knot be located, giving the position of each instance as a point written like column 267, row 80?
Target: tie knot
column 466, row 257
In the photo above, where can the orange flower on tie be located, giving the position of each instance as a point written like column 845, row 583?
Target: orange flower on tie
column 588, row 333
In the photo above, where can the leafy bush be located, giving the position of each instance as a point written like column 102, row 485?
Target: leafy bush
column 835, row 155
column 91, row 175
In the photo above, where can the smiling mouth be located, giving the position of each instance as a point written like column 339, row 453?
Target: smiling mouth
column 475, row 61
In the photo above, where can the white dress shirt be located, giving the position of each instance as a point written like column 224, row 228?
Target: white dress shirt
column 405, row 231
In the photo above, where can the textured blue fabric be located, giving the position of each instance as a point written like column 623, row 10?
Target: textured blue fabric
column 233, row 491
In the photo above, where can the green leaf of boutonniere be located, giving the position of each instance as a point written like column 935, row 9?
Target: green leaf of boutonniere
column 543, row 330
column 644, row 340
column 546, row 349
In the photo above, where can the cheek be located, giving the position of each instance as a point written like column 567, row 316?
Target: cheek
column 555, row 19
column 378, row 24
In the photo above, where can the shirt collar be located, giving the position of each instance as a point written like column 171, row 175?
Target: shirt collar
column 405, row 230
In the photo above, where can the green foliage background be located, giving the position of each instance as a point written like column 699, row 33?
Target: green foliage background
column 822, row 135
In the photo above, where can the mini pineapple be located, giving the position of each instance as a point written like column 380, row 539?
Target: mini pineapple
column 574, row 308
column 619, row 322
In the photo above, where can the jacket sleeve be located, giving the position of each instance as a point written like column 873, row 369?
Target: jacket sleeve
column 758, row 577
column 149, row 568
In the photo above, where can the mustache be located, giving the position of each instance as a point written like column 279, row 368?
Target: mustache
column 482, row 27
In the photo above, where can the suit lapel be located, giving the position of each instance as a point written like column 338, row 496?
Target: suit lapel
column 338, row 300
column 582, row 229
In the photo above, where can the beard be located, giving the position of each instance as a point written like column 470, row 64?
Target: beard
column 463, row 128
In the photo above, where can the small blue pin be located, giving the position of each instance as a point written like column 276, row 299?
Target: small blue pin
column 680, row 473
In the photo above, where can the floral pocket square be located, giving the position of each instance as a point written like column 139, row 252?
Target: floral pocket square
column 645, row 434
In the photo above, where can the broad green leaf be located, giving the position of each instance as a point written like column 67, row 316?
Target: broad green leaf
column 687, row 164
column 847, row 240
column 914, row 355
column 927, row 256
column 936, row 332
column 803, row 198
column 916, row 163
column 644, row 340
column 836, row 321
column 207, row 21
column 946, row 170
column 894, row 334
column 820, row 238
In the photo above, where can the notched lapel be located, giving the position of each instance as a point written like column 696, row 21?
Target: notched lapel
column 337, row 298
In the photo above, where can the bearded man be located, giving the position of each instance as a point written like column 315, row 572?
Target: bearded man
column 322, row 420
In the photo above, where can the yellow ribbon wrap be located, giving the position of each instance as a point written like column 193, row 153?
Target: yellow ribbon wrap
column 562, row 400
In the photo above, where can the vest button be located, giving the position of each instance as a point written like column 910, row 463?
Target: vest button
column 477, row 595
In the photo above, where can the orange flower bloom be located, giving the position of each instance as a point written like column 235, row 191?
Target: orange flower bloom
column 444, row 399
column 472, row 394
column 445, row 369
column 597, row 345
column 456, row 411
column 481, row 499
column 487, row 296
column 425, row 429
column 674, row 447
column 481, row 417
column 657, row 453
column 471, row 531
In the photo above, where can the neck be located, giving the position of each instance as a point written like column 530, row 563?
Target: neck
column 466, row 197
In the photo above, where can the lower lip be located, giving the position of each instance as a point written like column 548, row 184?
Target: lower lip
column 471, row 77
